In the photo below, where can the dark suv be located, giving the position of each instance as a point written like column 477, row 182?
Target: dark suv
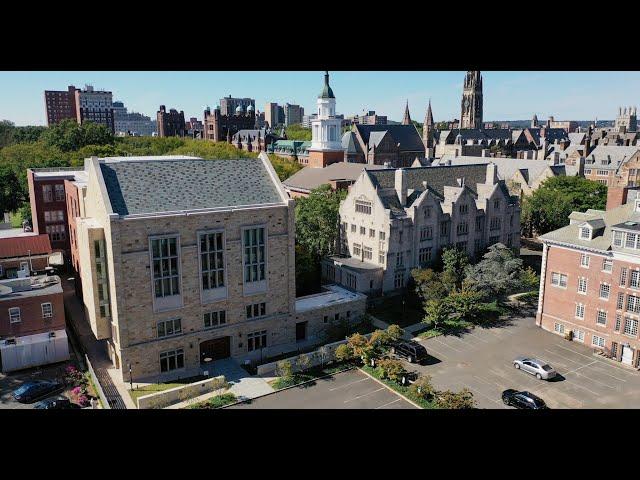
column 524, row 400
column 409, row 350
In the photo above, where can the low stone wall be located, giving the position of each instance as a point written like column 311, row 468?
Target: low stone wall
column 325, row 353
column 180, row 394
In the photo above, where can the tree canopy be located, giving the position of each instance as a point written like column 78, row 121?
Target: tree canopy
column 548, row 207
column 298, row 132
column 499, row 271
column 68, row 135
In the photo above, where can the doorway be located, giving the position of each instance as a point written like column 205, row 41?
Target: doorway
column 215, row 349
column 627, row 355
column 301, row 331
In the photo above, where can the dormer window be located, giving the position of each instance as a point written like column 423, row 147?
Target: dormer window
column 617, row 238
column 585, row 233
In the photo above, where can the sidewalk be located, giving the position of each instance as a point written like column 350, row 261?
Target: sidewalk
column 242, row 384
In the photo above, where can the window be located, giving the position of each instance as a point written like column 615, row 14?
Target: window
column 47, row 193
column 617, row 239
column 607, row 265
column 381, row 257
column 634, row 282
column 399, row 259
column 495, row 223
column 383, row 236
column 584, row 260
column 14, row 315
column 426, row 233
column 464, row 209
column 462, row 228
column 477, row 245
column 604, row 291
column 559, row 280
column 256, row 340
column 559, row 328
column 256, row 310
column 578, row 335
column 582, row 285
column 363, row 207
column 47, row 310
column 620, row 302
column 212, row 260
column 164, row 252
column 351, row 281
column 623, row 276
column 630, row 327
column 372, row 233
column 630, row 241
column 363, row 231
column 398, row 280
column 597, row 341
column 254, row 258
column 427, row 212
column 400, row 236
column 444, row 229
column 580, row 311
column 601, row 317
column 172, row 360
column 424, row 255
column 633, row 304
column 618, row 322
column 51, row 216
column 59, row 190
column 479, row 224
column 585, row 233
column 367, row 253
column 56, row 232
column 215, row 319
column 167, row 328
column 353, row 228
column 496, row 204
column 356, row 249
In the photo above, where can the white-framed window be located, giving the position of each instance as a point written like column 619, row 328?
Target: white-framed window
column 47, row 310
column 580, row 311
column 215, row 319
column 578, row 335
column 633, row 304
column 353, row 228
column 601, row 317
column 59, row 192
column 620, row 302
column 363, row 206
column 57, row 232
column 585, row 233
column 367, row 253
column 597, row 341
column 166, row 273
column 254, row 254
column 605, row 289
column 363, row 230
column 631, row 241
column 607, row 265
column 617, row 238
column 383, row 236
column 47, row 193
column 634, row 281
column 584, row 260
column 15, row 315
column 630, row 326
column 51, row 216
column 172, row 360
column 168, row 328
column 558, row 280
column 582, row 285
column 623, row 277
column 212, row 260
column 618, row 322
column 356, row 249
column 558, row 328
column 256, row 340
column 381, row 257
column 256, row 310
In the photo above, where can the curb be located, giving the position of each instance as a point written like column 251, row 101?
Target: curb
column 391, row 389
column 286, row 388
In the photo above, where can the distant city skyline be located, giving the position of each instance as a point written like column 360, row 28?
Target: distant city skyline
column 507, row 95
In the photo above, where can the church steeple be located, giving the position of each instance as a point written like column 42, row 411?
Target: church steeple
column 428, row 128
column 406, row 120
column 471, row 114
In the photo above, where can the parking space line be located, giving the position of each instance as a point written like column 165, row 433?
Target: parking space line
column 448, row 346
column 594, row 380
column 581, row 386
column 348, row 384
column 386, row 404
column 478, row 337
column 364, row 395
column 562, row 356
column 466, row 343
column 599, row 361
column 607, row 374
column 476, row 391
column 579, row 368
column 582, row 374
column 437, row 352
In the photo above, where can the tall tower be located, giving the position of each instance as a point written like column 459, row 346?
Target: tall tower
column 427, row 132
column 406, row 120
column 326, row 146
column 471, row 116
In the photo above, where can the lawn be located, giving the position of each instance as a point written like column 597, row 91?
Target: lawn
column 141, row 391
column 308, row 375
column 406, row 392
column 392, row 311
column 215, row 402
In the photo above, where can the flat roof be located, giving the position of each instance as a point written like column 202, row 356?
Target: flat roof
column 332, row 296
column 29, row 287
column 15, row 232
column 355, row 263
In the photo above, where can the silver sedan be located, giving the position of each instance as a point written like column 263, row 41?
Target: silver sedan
column 542, row 370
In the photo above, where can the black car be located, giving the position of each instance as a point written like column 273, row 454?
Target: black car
column 409, row 350
column 37, row 389
column 524, row 400
column 56, row 404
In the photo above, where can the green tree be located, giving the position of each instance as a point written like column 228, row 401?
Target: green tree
column 7, row 130
column 499, row 272
column 423, row 387
column 307, row 272
column 436, row 312
column 69, row 136
column 391, row 369
column 454, row 263
column 549, row 206
column 429, row 284
column 530, row 279
column 455, row 400
column 464, row 304
column 394, row 333
column 343, row 353
column 28, row 134
column 284, row 369
column 11, row 195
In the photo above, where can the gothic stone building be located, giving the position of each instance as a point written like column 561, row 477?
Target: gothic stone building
column 222, row 128
column 396, row 145
column 471, row 106
column 394, row 220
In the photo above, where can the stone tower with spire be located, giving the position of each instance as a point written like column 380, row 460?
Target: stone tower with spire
column 471, row 114
column 406, row 120
column 428, row 128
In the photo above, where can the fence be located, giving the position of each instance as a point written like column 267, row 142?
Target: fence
column 96, row 383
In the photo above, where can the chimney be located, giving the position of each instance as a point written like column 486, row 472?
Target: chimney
column 401, row 185
column 616, row 196
column 580, row 162
column 492, row 174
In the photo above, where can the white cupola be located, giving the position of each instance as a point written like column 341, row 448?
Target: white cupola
column 326, row 128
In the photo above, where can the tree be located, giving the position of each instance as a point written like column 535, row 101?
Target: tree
column 317, row 220
column 7, row 130
column 423, row 387
column 358, row 344
column 429, row 284
column 394, row 333
column 455, row 400
column 303, row 362
column 11, row 195
column 499, row 271
column 454, row 262
column 284, row 369
column 464, row 304
column 343, row 353
column 323, row 355
column 69, row 136
column 436, row 312
column 391, row 369
column 550, row 205
column 307, row 272
column 28, row 134
column 530, row 279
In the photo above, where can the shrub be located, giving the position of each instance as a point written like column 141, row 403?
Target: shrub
column 394, row 333
column 422, row 387
column 455, row 400
column 391, row 369
column 343, row 353
column 284, row 369
column 303, row 362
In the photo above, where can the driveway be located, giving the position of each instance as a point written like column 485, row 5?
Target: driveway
column 347, row 390
column 482, row 360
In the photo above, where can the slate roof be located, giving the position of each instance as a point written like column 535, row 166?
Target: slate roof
column 617, row 154
column 406, row 135
column 22, row 246
column 156, row 186
column 309, row 178
column 350, row 143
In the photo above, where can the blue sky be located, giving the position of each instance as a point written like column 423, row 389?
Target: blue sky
column 507, row 95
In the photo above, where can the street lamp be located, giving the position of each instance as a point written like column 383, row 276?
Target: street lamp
column 130, row 377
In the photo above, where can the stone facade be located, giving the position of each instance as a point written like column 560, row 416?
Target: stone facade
column 171, row 123
column 471, row 106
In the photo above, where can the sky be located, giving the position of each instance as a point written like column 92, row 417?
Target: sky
column 508, row 95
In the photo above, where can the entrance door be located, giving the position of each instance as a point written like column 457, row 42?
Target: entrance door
column 301, row 331
column 215, row 349
column 627, row 355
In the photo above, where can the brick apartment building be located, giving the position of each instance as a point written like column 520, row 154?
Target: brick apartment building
column 590, row 278
column 171, row 123
column 60, row 105
column 32, row 323
column 88, row 105
column 184, row 260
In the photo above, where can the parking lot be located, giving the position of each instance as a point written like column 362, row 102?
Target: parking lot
column 10, row 382
column 482, row 360
column 346, row 390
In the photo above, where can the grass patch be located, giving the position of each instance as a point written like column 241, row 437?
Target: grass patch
column 402, row 390
column 141, row 391
column 391, row 311
column 308, row 375
column 16, row 220
column 218, row 401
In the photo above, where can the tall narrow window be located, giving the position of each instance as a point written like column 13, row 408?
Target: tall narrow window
column 165, row 266
column 212, row 260
column 254, row 261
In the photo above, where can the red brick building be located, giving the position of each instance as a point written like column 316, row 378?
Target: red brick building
column 590, row 278
column 60, row 105
column 25, row 253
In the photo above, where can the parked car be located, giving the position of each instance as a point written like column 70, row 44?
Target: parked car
column 409, row 350
column 36, row 389
column 524, row 400
column 542, row 370
column 56, row 404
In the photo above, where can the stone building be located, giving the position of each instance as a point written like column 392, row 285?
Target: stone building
column 171, row 123
column 221, row 128
column 394, row 220
column 627, row 120
column 254, row 140
column 605, row 165
column 471, row 110
column 95, row 106
column 590, row 278
column 185, row 261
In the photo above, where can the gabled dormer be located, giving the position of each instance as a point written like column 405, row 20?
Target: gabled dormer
column 590, row 229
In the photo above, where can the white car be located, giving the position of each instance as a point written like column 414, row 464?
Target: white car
column 542, row 370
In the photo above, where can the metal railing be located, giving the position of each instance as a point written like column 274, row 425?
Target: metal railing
column 96, row 383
